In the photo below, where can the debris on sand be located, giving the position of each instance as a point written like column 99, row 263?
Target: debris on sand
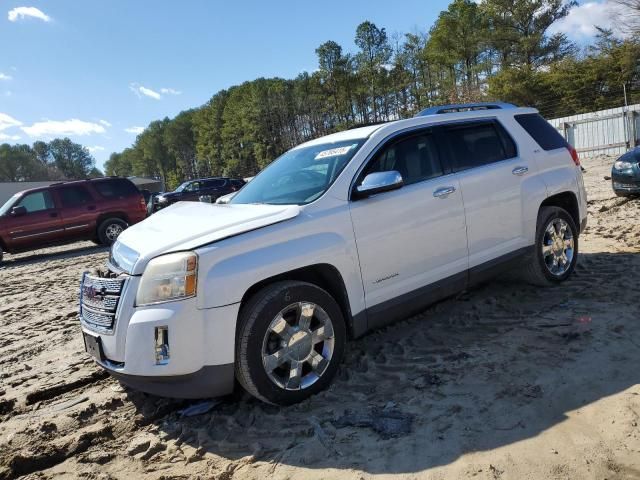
column 198, row 408
column 387, row 422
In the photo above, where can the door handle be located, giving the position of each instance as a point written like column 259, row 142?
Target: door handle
column 91, row 207
column 519, row 170
column 444, row 192
column 53, row 214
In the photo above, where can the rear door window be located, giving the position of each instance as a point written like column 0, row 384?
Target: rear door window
column 74, row 196
column 479, row 143
column 541, row 131
column 116, row 188
column 36, row 201
column 217, row 182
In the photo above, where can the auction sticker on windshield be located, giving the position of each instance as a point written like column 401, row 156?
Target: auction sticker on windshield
column 333, row 152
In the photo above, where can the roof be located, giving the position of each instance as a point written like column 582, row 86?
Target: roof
column 465, row 107
column 430, row 115
column 47, row 185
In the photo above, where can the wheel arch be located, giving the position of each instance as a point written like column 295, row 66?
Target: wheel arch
column 567, row 201
column 105, row 216
column 323, row 275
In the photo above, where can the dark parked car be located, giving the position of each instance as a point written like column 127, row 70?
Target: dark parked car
column 625, row 174
column 97, row 210
column 192, row 190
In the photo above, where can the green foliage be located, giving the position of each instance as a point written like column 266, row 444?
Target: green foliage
column 61, row 159
column 72, row 159
column 475, row 51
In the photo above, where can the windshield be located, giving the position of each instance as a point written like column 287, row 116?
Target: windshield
column 300, row 175
column 5, row 208
column 182, row 187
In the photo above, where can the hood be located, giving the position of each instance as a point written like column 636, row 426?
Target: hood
column 170, row 194
column 188, row 225
column 632, row 156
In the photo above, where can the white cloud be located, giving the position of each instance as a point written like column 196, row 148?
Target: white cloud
column 20, row 13
column 5, row 137
column 4, row 76
column 7, row 121
column 170, row 91
column 149, row 93
column 140, row 90
column 53, row 128
column 582, row 20
column 136, row 130
column 95, row 148
column 105, row 123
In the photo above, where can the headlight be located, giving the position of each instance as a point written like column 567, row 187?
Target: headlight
column 622, row 165
column 168, row 278
column 161, row 199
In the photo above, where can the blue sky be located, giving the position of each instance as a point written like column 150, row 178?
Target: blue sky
column 94, row 71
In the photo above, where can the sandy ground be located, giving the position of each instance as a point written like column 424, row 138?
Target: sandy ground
column 506, row 381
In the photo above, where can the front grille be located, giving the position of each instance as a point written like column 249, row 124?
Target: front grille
column 99, row 299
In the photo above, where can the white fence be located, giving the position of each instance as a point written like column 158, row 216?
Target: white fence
column 606, row 132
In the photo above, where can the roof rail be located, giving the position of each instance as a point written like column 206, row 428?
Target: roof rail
column 464, row 107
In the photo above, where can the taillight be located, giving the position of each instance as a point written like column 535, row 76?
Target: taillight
column 574, row 155
column 143, row 205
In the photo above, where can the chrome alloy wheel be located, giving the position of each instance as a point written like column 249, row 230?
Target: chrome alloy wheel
column 113, row 231
column 298, row 346
column 558, row 247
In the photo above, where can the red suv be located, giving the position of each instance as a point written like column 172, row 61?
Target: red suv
column 98, row 210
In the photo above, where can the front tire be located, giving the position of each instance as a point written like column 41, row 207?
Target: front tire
column 290, row 341
column 556, row 248
column 110, row 229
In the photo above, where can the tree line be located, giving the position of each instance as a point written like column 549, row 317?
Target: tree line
column 491, row 50
column 60, row 159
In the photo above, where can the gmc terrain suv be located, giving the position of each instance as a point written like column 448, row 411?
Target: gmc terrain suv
column 338, row 236
column 97, row 210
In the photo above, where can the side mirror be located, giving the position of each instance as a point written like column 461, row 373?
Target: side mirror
column 379, row 182
column 18, row 211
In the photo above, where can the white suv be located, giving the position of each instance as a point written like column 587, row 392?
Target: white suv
column 338, row 236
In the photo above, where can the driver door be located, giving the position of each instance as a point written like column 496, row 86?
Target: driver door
column 412, row 242
column 40, row 225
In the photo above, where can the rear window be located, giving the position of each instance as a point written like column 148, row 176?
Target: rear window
column 478, row 143
column 237, row 183
column 115, row 188
column 541, row 131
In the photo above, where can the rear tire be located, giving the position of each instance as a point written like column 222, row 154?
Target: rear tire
column 556, row 248
column 290, row 341
column 110, row 229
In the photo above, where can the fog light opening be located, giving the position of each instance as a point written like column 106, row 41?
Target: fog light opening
column 162, row 345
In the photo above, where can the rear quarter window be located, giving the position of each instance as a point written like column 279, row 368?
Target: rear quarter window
column 541, row 131
column 116, row 188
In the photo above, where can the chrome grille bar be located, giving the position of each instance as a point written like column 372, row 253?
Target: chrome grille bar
column 99, row 299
